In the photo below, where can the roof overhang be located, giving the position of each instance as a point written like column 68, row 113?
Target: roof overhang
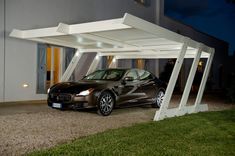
column 124, row 37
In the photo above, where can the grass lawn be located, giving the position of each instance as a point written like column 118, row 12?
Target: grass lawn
column 210, row 133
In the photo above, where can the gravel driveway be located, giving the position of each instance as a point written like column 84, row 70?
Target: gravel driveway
column 28, row 127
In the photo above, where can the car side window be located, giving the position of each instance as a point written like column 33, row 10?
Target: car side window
column 97, row 75
column 145, row 75
column 132, row 73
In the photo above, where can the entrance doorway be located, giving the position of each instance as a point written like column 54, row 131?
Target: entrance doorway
column 53, row 65
column 140, row 63
column 52, row 62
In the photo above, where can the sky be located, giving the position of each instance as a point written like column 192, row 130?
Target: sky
column 214, row 17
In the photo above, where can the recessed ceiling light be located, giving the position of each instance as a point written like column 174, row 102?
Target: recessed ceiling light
column 99, row 44
column 80, row 39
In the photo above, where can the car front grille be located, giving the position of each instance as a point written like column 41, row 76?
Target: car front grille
column 55, row 97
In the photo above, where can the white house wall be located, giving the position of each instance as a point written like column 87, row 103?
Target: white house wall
column 21, row 56
column 1, row 50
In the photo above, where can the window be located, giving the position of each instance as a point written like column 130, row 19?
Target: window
column 96, row 75
column 132, row 73
column 145, row 75
column 52, row 61
column 140, row 64
column 110, row 74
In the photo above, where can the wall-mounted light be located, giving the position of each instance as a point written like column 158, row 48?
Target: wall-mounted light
column 200, row 63
column 114, row 60
column 25, row 85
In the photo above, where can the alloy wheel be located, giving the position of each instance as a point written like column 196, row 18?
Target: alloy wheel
column 106, row 104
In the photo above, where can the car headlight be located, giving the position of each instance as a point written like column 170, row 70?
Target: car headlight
column 48, row 90
column 85, row 92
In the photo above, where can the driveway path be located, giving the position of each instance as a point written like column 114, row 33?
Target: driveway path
column 28, row 127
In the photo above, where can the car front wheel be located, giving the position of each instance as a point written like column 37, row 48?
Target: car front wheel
column 105, row 104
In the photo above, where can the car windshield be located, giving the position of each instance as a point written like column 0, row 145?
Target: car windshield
column 110, row 74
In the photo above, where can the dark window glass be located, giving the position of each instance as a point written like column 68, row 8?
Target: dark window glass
column 111, row 74
column 96, row 75
column 132, row 73
column 145, row 75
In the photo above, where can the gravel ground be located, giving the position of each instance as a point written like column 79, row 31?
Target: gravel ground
column 28, row 127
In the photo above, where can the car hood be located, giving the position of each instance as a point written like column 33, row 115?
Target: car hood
column 77, row 87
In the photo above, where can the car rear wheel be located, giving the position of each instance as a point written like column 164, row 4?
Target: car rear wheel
column 159, row 98
column 105, row 104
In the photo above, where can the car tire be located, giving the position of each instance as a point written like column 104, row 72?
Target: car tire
column 159, row 98
column 105, row 103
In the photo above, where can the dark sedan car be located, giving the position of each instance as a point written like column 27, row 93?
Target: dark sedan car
column 109, row 88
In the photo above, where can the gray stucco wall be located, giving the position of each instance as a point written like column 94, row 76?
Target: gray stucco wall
column 1, row 49
column 21, row 58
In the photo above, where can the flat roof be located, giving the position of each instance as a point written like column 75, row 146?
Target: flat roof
column 126, row 37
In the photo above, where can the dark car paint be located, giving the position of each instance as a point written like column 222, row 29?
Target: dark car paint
column 124, row 92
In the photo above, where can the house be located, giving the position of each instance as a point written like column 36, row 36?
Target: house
column 26, row 67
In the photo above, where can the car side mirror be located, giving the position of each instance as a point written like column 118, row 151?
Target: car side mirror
column 128, row 78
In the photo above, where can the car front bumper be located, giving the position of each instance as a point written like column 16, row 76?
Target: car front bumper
column 70, row 101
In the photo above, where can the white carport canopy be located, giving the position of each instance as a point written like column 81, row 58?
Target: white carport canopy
column 128, row 38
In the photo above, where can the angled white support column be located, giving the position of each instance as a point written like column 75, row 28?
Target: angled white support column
column 113, row 64
column 94, row 64
column 190, row 79
column 68, row 72
column 162, row 112
column 203, row 82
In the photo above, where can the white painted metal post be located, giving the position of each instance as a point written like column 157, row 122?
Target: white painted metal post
column 113, row 64
column 94, row 64
column 204, row 79
column 161, row 113
column 67, row 74
column 52, row 67
column 190, row 79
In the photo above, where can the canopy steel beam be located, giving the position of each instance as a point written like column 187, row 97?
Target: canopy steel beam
column 94, row 64
column 105, row 40
column 72, row 65
column 162, row 113
column 204, row 79
column 125, row 49
column 191, row 76
column 113, row 63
